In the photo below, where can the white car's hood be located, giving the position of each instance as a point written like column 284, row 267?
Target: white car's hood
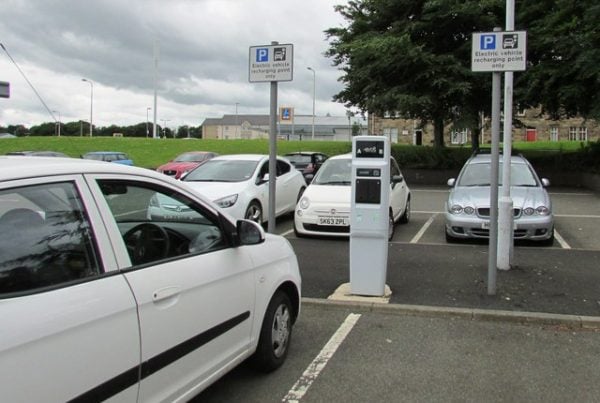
column 329, row 194
column 216, row 190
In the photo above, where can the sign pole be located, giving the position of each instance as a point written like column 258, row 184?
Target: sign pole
column 272, row 154
column 271, row 63
column 495, row 160
column 505, row 216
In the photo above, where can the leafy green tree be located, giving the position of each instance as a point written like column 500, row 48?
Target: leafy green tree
column 45, row 129
column 413, row 57
column 563, row 54
column 17, row 130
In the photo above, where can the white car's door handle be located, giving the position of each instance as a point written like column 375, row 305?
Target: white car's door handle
column 164, row 293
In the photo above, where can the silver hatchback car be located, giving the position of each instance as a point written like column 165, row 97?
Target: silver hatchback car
column 468, row 206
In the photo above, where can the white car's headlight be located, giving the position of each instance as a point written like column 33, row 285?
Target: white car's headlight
column 227, row 201
column 304, row 203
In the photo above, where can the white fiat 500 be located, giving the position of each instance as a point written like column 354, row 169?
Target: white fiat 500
column 324, row 208
column 101, row 300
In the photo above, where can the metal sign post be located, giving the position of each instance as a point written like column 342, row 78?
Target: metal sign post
column 505, row 204
column 271, row 63
column 497, row 52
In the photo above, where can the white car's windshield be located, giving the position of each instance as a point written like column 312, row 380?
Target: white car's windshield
column 223, row 171
column 335, row 172
column 480, row 174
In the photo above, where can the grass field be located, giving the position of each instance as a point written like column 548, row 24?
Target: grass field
column 150, row 153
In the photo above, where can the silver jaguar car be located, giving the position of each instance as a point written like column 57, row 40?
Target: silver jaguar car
column 468, row 205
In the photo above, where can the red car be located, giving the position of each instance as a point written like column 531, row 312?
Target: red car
column 185, row 162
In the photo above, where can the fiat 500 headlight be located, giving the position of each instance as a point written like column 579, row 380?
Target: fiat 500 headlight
column 304, row 203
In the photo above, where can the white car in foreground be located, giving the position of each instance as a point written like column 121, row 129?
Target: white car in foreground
column 240, row 185
column 324, row 208
column 100, row 302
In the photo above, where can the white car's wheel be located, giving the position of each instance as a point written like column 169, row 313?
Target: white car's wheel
column 275, row 334
column 406, row 216
column 391, row 226
column 254, row 212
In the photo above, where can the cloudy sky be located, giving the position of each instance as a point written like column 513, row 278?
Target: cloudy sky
column 202, row 68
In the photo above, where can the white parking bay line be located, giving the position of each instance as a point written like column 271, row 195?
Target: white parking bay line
column 316, row 366
column 561, row 240
column 286, row 233
column 417, row 237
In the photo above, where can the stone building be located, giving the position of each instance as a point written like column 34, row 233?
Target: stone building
column 527, row 126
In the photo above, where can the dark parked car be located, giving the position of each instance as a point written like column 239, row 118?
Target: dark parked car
column 307, row 162
column 108, row 156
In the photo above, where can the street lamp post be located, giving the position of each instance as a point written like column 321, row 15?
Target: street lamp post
column 147, row 110
column 236, row 119
column 165, row 126
column 314, row 95
column 91, row 104
column 58, row 122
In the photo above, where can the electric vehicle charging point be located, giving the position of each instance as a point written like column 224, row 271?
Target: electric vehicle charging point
column 369, row 212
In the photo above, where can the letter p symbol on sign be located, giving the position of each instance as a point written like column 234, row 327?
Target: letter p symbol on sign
column 262, row 55
column 487, row 42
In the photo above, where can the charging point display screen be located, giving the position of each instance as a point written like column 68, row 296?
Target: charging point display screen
column 369, row 149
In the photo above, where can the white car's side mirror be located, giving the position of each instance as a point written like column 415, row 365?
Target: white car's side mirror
column 451, row 182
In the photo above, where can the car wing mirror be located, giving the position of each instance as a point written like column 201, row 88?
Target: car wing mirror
column 545, row 182
column 249, row 232
column 264, row 179
column 451, row 182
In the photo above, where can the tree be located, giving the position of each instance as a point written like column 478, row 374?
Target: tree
column 413, row 57
column 45, row 129
column 563, row 54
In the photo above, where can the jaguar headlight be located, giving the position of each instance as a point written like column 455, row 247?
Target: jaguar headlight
column 542, row 210
column 469, row 210
column 456, row 209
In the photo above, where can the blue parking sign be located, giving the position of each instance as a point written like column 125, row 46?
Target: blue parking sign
column 262, row 55
column 487, row 42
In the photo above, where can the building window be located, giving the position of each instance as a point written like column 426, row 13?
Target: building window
column 554, row 133
column 578, row 133
column 459, row 136
column 391, row 133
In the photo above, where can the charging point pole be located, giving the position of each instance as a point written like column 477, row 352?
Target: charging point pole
column 369, row 212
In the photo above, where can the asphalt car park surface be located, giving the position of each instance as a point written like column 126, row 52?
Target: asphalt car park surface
column 425, row 270
column 392, row 355
column 388, row 357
